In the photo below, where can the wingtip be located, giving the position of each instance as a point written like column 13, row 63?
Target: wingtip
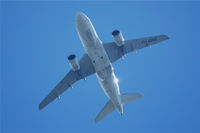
column 166, row 37
column 96, row 121
column 141, row 95
column 40, row 107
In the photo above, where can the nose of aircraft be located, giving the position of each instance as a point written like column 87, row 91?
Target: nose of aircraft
column 80, row 17
column 81, row 21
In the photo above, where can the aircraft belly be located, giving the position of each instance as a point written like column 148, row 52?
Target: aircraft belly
column 99, row 59
column 93, row 45
column 110, row 88
column 96, row 52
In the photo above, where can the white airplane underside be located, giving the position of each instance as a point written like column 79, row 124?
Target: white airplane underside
column 98, row 60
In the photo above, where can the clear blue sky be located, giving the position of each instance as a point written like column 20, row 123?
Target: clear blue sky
column 37, row 37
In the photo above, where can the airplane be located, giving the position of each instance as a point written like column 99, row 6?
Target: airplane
column 98, row 60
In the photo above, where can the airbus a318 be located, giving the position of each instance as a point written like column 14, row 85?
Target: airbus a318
column 98, row 60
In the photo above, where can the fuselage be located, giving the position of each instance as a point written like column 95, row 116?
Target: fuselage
column 95, row 50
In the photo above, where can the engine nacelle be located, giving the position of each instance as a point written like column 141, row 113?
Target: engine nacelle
column 118, row 38
column 73, row 62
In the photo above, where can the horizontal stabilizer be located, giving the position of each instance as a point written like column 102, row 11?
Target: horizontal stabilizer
column 108, row 108
column 126, row 98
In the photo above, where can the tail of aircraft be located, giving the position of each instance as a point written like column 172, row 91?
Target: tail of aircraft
column 109, row 107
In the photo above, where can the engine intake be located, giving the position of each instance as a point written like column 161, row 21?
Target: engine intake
column 73, row 62
column 118, row 38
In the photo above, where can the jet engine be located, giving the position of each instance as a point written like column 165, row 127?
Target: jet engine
column 118, row 38
column 73, row 62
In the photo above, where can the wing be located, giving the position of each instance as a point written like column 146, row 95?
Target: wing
column 115, row 52
column 86, row 69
